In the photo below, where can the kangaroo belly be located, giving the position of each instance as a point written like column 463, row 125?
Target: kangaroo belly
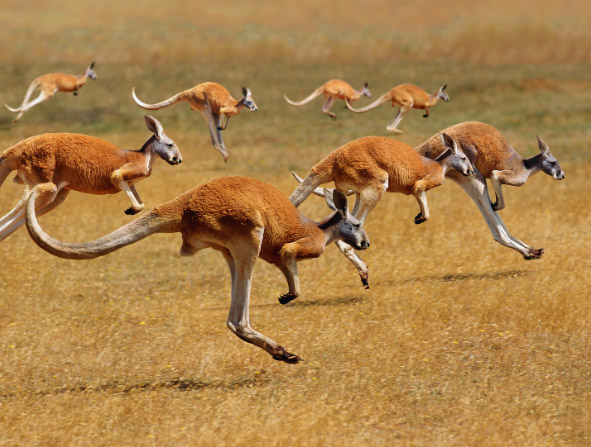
column 92, row 183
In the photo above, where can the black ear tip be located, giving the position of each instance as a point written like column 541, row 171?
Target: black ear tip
column 444, row 87
column 92, row 65
column 244, row 91
column 366, row 84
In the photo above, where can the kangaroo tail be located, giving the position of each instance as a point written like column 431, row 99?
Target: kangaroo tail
column 318, row 175
column 127, row 234
column 167, row 102
column 316, row 93
column 382, row 99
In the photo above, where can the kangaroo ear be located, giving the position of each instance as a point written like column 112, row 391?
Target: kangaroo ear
column 449, row 142
column 245, row 91
column 366, row 84
column 443, row 88
column 328, row 194
column 154, row 126
column 544, row 148
column 91, row 65
column 340, row 202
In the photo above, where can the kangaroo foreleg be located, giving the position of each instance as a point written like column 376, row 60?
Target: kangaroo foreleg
column 359, row 264
column 423, row 215
column 121, row 177
column 290, row 271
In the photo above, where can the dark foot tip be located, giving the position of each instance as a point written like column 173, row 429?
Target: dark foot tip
column 365, row 281
column 286, row 298
column 131, row 211
column 283, row 356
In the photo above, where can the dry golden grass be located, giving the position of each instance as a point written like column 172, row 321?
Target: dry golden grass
column 459, row 341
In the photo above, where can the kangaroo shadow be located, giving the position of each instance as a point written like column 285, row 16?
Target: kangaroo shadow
column 178, row 384
column 452, row 277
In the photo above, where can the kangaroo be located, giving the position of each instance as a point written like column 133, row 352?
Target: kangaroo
column 50, row 84
column 494, row 158
column 244, row 219
column 406, row 97
column 333, row 90
column 80, row 163
column 370, row 166
column 214, row 102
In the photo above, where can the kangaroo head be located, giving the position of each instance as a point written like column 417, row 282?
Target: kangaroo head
column 348, row 228
column 549, row 164
column 90, row 72
column 247, row 100
column 442, row 95
column 161, row 144
column 365, row 90
column 456, row 159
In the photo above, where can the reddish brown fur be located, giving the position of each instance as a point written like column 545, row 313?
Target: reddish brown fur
column 219, row 98
column 233, row 207
column 61, row 82
column 355, row 164
column 410, row 95
column 485, row 146
column 338, row 88
column 55, row 157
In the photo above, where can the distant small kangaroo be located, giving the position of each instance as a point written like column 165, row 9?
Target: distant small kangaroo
column 333, row 90
column 214, row 102
column 370, row 166
column 406, row 97
column 50, row 84
column 80, row 163
column 240, row 217
column 494, row 158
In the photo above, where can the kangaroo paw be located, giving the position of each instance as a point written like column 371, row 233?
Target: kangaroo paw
column 287, row 297
column 130, row 211
column 364, row 276
column 534, row 253
column 419, row 219
column 282, row 355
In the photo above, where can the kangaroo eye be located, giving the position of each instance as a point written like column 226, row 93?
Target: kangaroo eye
column 357, row 225
column 169, row 144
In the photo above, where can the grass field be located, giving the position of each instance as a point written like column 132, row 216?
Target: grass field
column 459, row 341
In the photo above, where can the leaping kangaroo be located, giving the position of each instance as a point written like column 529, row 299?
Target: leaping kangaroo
column 333, row 90
column 214, row 102
column 370, row 166
column 50, row 84
column 242, row 218
column 494, row 158
column 73, row 162
column 406, row 97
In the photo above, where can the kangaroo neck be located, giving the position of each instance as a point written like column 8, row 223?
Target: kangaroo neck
column 329, row 227
column 533, row 165
column 81, row 80
column 432, row 100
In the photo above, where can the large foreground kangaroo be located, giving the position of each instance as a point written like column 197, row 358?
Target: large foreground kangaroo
column 242, row 218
